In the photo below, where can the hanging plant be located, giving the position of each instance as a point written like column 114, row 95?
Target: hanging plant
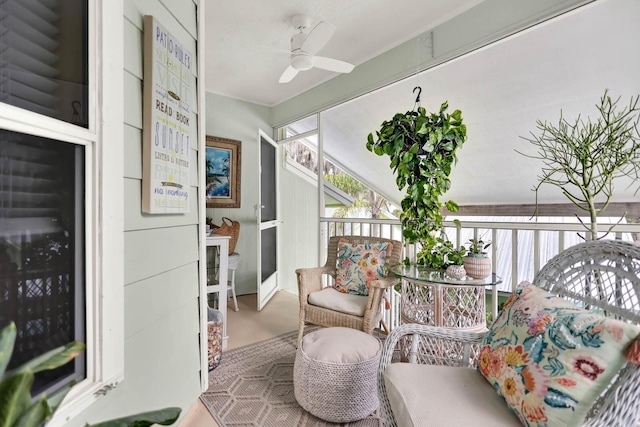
column 422, row 148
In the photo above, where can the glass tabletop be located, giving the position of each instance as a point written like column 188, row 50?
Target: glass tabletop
column 425, row 274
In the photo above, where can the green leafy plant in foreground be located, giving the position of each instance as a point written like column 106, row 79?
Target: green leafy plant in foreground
column 18, row 409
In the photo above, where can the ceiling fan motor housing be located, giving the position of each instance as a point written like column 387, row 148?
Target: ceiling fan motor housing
column 301, row 61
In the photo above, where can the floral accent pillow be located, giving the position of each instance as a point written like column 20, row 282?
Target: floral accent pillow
column 359, row 264
column 550, row 359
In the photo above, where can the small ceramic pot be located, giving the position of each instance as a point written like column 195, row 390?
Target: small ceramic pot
column 477, row 267
column 456, row 272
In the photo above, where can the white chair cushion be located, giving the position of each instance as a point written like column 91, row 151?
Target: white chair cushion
column 341, row 345
column 427, row 395
column 234, row 260
column 338, row 301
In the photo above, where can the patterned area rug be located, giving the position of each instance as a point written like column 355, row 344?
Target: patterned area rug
column 253, row 386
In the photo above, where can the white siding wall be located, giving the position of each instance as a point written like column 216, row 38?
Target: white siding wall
column 162, row 362
column 300, row 228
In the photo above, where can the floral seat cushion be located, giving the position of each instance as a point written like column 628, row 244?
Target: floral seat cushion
column 358, row 264
column 550, row 359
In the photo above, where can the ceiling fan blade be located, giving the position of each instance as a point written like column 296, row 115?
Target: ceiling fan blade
column 332, row 64
column 288, row 74
column 318, row 37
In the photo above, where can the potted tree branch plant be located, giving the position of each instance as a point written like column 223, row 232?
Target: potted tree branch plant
column 585, row 158
column 422, row 148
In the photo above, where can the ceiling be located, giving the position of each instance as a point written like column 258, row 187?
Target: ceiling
column 248, row 41
column 564, row 64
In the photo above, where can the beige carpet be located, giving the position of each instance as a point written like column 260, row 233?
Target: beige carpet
column 253, row 386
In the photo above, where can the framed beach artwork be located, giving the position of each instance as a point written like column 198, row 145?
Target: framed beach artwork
column 222, row 167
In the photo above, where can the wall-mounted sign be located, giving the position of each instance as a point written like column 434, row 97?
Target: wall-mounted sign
column 169, row 127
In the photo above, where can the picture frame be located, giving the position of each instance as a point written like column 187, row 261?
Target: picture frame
column 222, row 172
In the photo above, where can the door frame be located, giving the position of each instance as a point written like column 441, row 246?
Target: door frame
column 272, row 280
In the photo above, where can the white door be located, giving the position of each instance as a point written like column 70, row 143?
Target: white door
column 267, row 212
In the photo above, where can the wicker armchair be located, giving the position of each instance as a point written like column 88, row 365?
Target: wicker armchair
column 310, row 280
column 600, row 275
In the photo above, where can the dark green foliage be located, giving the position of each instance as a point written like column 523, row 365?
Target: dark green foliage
column 442, row 255
column 422, row 148
column 477, row 247
column 16, row 406
column 165, row 417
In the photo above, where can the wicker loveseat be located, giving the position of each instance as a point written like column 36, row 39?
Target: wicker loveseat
column 368, row 313
column 597, row 282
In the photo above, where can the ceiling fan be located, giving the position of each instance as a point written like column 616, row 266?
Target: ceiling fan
column 304, row 47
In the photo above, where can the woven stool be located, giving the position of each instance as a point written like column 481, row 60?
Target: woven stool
column 334, row 374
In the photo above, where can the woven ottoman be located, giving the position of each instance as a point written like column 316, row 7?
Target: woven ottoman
column 334, row 374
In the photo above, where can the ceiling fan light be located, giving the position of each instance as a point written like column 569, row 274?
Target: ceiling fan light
column 302, row 62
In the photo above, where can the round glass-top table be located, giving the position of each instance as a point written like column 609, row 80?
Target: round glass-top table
column 430, row 297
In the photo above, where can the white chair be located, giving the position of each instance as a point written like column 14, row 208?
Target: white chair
column 234, row 261
column 599, row 275
column 351, row 311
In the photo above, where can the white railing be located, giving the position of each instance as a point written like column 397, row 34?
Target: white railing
column 518, row 249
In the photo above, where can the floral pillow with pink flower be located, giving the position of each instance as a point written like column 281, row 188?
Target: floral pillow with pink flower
column 359, row 264
column 550, row 359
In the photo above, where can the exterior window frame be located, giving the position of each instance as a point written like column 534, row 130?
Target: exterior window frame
column 104, row 210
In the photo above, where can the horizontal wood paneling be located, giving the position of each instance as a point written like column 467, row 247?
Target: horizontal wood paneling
column 134, row 11
column 133, row 48
column 132, row 152
column 155, row 251
column 151, row 299
column 185, row 12
column 134, row 219
column 162, row 368
column 132, row 100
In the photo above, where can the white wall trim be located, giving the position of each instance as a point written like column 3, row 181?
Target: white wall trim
column 202, row 208
column 105, row 235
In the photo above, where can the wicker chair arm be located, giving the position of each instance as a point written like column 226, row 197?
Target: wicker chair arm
column 310, row 279
column 430, row 336
column 620, row 407
column 384, row 282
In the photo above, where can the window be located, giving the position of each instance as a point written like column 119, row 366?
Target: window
column 44, row 65
column 41, row 260
column 44, row 69
column 61, row 219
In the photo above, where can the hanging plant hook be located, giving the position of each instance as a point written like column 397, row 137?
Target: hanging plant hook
column 417, row 97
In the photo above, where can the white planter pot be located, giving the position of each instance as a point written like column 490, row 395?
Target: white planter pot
column 477, row 267
column 456, row 272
